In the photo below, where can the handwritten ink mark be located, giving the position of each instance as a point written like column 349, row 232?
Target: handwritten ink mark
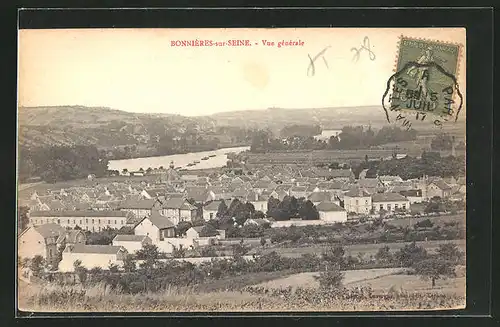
column 311, row 69
column 365, row 46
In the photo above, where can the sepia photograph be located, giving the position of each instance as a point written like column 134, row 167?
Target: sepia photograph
column 241, row 170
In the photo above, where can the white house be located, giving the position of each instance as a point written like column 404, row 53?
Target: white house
column 389, row 202
column 258, row 200
column 195, row 234
column 414, row 196
column 156, row 226
column 91, row 256
column 210, row 210
column 44, row 240
column 132, row 243
column 358, row 201
column 331, row 212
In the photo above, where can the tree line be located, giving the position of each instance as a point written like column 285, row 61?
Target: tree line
column 61, row 163
column 350, row 138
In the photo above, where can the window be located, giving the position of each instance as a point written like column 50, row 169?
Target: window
column 404, row 206
column 50, row 252
column 109, row 222
column 357, row 202
column 211, row 215
column 388, row 207
column 395, row 206
column 366, row 202
column 93, row 221
column 381, row 207
column 86, row 220
column 81, row 222
column 59, row 221
column 115, row 221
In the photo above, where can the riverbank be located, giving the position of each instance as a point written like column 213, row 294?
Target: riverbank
column 216, row 159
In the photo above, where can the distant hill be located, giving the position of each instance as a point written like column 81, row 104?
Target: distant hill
column 327, row 118
column 107, row 128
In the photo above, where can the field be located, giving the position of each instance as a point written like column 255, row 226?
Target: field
column 351, row 276
column 365, row 249
column 438, row 220
column 100, row 299
column 380, row 281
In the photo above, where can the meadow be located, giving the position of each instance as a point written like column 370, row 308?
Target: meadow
column 100, row 298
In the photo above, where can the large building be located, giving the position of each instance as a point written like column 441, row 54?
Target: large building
column 358, row 201
column 94, row 221
column 390, row 202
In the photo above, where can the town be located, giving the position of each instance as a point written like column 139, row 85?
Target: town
column 254, row 210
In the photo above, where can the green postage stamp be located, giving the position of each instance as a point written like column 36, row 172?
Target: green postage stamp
column 424, row 84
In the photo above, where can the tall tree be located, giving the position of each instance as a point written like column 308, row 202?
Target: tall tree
column 222, row 209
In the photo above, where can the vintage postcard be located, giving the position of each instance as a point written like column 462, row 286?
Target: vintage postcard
column 237, row 170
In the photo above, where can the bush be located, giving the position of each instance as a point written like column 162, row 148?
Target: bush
column 410, row 254
column 424, row 224
column 330, row 278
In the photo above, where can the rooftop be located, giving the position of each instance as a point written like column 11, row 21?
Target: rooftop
column 329, row 206
column 386, row 197
column 78, row 213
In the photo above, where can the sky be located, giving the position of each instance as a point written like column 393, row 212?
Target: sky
column 137, row 70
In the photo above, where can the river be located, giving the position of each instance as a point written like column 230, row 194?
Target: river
column 180, row 160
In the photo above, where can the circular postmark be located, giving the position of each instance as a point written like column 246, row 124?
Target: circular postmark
column 423, row 87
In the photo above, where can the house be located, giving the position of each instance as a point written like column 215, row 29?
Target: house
column 438, row 188
column 387, row 180
column 389, row 202
column 153, row 193
column 343, row 175
column 262, row 185
column 132, row 243
column 358, row 201
column 240, row 193
column 156, row 226
column 332, row 187
column 318, row 197
column 178, row 209
column 199, row 238
column 210, row 210
column 199, row 194
column 88, row 220
column 221, row 193
column 331, row 212
column 259, row 201
column 280, row 195
column 44, row 240
column 414, row 196
column 298, row 192
column 91, row 256
column 139, row 208
column 371, row 185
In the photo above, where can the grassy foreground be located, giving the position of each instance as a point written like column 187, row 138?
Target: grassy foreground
column 99, row 298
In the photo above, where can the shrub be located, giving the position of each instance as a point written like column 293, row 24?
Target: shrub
column 410, row 254
column 330, row 278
